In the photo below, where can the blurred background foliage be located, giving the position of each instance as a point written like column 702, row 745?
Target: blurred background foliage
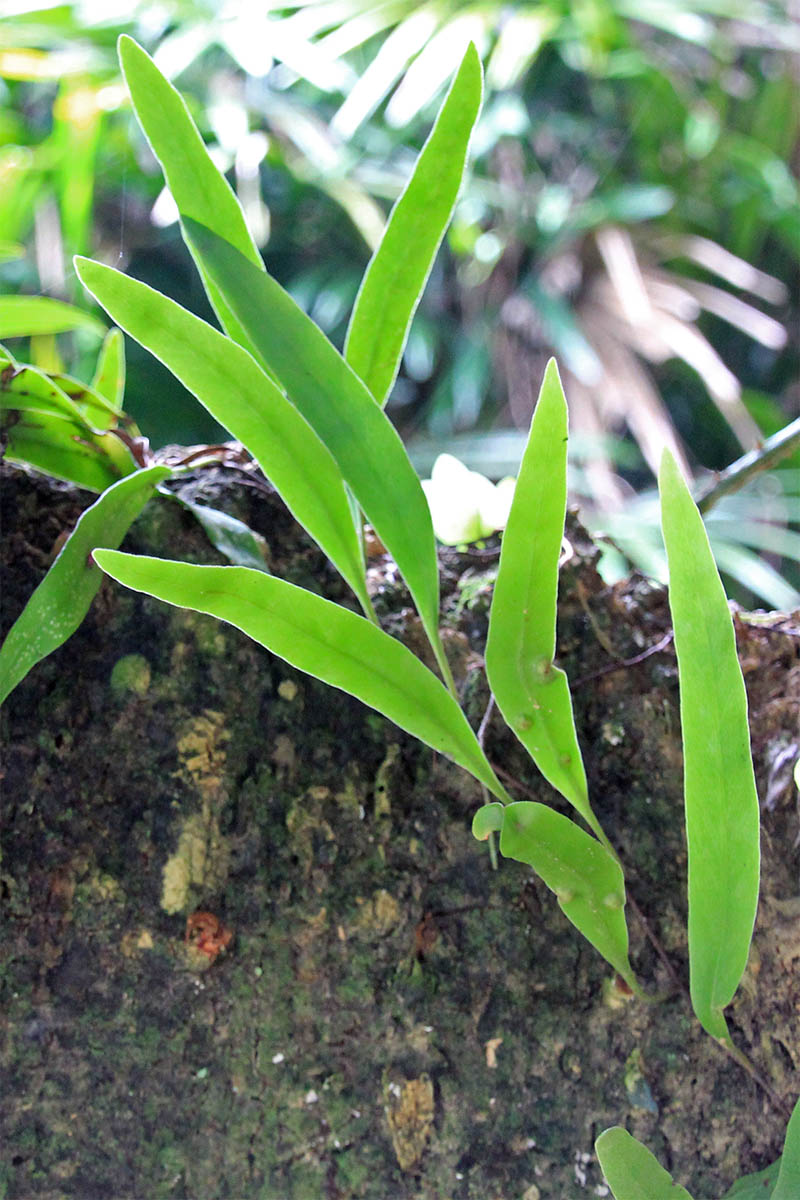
column 632, row 206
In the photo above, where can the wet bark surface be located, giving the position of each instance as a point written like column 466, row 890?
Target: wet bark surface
column 389, row 1017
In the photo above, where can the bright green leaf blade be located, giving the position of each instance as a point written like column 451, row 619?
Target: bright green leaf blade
column 488, row 819
column 399, row 268
column 237, row 541
column 531, row 692
column 199, row 189
column 632, row 1172
column 788, row 1185
column 109, row 376
column 321, row 638
column 722, row 817
column 27, row 316
column 62, row 599
column 359, row 435
column 586, row 879
column 234, row 389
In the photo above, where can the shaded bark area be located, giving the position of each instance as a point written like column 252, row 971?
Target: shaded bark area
column 392, row 1017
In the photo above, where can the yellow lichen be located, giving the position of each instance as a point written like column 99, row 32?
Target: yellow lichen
column 202, row 856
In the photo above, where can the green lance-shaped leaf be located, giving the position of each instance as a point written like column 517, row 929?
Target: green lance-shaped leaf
column 321, row 638
column 758, row 1186
column 62, row 599
column 198, row 187
column 632, row 1172
column 788, row 1185
column 585, row 877
column 399, row 268
column 531, row 692
column 27, row 316
column 722, row 818
column 238, row 542
column 234, row 389
column 359, row 435
column 109, row 375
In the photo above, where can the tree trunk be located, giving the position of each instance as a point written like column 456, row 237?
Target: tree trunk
column 390, row 1017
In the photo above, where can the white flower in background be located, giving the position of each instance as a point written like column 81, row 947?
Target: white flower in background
column 465, row 505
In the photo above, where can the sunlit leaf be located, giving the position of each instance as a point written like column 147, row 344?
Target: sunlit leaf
column 197, row 186
column 632, row 1172
column 788, row 1185
column 722, row 816
column 321, row 638
column 359, row 435
column 397, row 273
column 586, row 879
column 531, row 692
column 234, row 389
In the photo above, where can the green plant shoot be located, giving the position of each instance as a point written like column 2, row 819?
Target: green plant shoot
column 531, row 692
column 235, row 390
column 398, row 270
column 788, row 1185
column 198, row 188
column 722, row 817
column 338, row 406
column 62, row 599
column 109, row 375
column 632, row 1172
column 586, row 879
column 319, row 637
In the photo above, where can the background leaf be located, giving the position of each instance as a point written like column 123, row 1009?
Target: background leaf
column 27, row 316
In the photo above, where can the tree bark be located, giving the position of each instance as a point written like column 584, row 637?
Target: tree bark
column 391, row 1017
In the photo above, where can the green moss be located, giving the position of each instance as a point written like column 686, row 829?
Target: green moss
column 130, row 674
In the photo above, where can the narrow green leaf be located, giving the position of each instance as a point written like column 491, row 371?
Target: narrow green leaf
column 234, row 389
column 722, row 817
column 632, row 1172
column 109, row 375
column 28, row 316
column 62, row 599
column 586, row 879
column 237, row 541
column 399, row 268
column 788, row 1185
column 321, row 638
column 199, row 189
column 758, row 1186
column 359, row 435
column 531, row 692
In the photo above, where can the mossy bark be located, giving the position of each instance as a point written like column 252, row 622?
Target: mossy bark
column 393, row 1018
